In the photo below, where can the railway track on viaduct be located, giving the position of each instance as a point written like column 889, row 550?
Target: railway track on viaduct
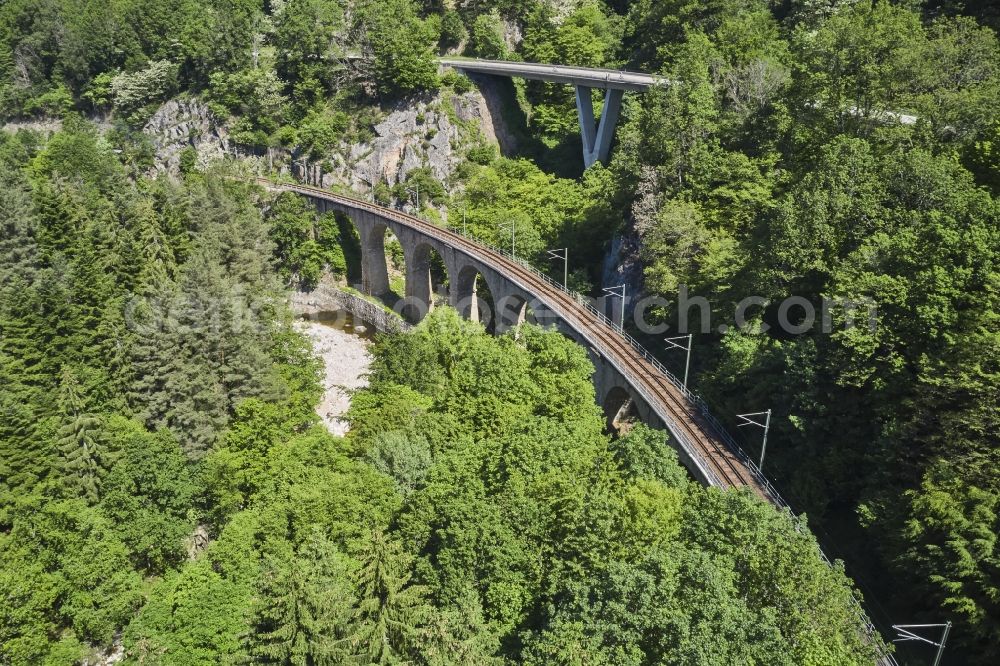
column 703, row 440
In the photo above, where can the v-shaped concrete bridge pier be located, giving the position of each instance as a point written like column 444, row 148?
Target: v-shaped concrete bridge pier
column 597, row 139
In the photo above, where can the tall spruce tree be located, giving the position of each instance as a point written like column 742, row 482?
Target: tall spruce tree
column 391, row 612
column 81, row 440
column 302, row 613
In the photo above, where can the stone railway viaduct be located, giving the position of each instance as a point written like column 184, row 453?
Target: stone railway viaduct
column 624, row 372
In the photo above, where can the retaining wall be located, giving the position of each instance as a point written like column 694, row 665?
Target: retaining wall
column 328, row 297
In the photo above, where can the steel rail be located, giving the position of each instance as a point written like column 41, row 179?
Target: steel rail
column 664, row 393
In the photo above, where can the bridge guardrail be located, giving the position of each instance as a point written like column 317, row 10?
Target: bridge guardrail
column 581, row 300
column 885, row 658
column 696, row 399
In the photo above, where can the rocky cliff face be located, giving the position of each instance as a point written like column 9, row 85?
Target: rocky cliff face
column 434, row 132
column 184, row 123
column 431, row 133
column 623, row 262
column 49, row 126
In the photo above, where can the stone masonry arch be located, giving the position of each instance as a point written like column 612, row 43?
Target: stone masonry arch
column 420, row 290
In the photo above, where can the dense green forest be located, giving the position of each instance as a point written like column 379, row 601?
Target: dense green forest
column 774, row 166
column 166, row 480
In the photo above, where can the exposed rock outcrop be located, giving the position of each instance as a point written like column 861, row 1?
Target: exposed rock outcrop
column 183, row 123
column 623, row 263
column 431, row 133
column 49, row 126
column 45, row 126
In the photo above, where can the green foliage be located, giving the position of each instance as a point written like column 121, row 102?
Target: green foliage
column 188, row 160
column 483, row 154
column 310, row 42
column 777, row 569
column 453, row 30
column 148, row 495
column 306, row 244
column 875, row 56
column 948, row 546
column 255, row 96
column 91, row 501
column 586, row 37
column 130, row 92
column 56, row 102
column 546, row 211
column 319, row 132
column 193, row 617
column 390, row 611
column 420, row 180
column 76, row 153
column 206, row 334
column 85, row 456
column 984, row 156
column 459, row 83
column 486, row 38
column 157, row 410
column 576, row 546
column 405, row 458
column 62, row 565
column 781, row 167
column 654, row 29
column 402, row 47
column 303, row 610
column 643, row 454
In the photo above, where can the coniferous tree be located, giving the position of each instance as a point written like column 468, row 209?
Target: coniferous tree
column 202, row 354
column 18, row 227
column 391, row 612
column 302, row 613
column 81, row 440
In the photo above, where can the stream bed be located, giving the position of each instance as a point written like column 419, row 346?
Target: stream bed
column 343, row 344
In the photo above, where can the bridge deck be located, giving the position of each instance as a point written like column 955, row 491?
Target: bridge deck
column 720, row 463
column 588, row 77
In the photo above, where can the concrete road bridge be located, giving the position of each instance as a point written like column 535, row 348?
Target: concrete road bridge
column 596, row 135
column 624, row 371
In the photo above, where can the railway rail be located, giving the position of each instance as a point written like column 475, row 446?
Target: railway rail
column 677, row 407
